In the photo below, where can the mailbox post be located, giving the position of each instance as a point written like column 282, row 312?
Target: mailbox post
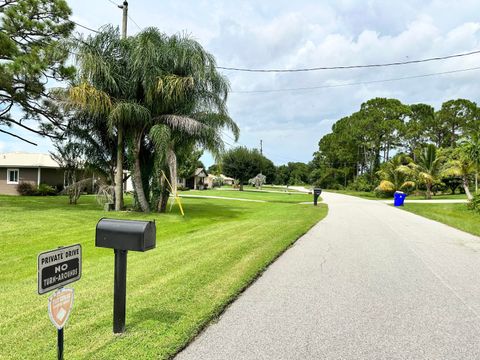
column 121, row 236
column 316, row 193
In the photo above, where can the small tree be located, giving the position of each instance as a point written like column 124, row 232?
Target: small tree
column 429, row 167
column 242, row 164
column 461, row 165
column 258, row 180
column 396, row 174
column 69, row 156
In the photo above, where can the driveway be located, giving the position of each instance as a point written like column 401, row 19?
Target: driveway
column 368, row 282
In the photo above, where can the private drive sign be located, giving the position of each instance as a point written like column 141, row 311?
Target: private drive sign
column 59, row 267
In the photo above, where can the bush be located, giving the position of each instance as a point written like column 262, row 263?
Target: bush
column 474, row 204
column 336, row 186
column 361, row 183
column 45, row 190
column 26, row 189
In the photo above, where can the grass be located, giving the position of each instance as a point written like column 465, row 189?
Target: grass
column 455, row 215
column 255, row 195
column 371, row 195
column 201, row 263
column 362, row 194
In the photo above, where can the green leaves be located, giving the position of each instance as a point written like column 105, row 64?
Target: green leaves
column 32, row 53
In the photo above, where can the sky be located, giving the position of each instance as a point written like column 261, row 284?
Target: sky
column 296, row 34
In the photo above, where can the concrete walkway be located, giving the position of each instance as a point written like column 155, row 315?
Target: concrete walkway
column 220, row 197
column 439, row 201
column 368, row 282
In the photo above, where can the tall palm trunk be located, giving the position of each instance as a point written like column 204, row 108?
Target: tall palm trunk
column 137, row 175
column 476, row 182
column 164, row 194
column 119, row 171
column 429, row 190
column 466, row 188
column 172, row 167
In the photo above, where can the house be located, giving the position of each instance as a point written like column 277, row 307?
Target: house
column 18, row 167
column 225, row 180
column 197, row 181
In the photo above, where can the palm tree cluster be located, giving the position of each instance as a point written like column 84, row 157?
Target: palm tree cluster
column 144, row 103
column 430, row 168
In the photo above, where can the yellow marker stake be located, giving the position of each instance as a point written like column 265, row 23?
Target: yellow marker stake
column 175, row 195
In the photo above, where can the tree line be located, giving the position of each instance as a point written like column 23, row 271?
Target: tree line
column 387, row 133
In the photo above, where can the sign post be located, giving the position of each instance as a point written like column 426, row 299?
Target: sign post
column 57, row 268
column 60, row 305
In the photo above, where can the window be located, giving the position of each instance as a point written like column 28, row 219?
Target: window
column 12, row 176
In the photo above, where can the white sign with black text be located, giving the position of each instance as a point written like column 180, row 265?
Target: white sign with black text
column 59, row 267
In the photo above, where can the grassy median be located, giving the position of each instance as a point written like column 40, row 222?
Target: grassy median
column 201, row 263
column 454, row 215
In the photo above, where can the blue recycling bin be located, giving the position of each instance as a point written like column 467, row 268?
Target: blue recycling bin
column 399, row 198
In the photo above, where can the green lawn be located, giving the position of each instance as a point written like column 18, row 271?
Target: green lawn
column 362, row 194
column 455, row 215
column 201, row 263
column 371, row 195
column 295, row 197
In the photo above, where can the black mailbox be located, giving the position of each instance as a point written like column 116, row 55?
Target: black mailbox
column 316, row 193
column 121, row 236
column 125, row 234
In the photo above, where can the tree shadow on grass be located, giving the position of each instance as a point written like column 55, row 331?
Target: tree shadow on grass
column 161, row 316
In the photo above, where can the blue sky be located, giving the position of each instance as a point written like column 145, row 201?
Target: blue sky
column 293, row 34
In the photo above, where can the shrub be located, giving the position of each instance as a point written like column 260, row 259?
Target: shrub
column 26, row 189
column 474, row 204
column 361, row 183
column 45, row 190
column 336, row 186
column 385, row 189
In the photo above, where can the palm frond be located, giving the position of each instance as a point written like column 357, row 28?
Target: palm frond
column 181, row 123
column 91, row 99
column 129, row 114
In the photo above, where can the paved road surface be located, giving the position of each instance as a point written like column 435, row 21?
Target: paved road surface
column 368, row 282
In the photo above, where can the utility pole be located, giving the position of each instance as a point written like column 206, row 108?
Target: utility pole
column 261, row 147
column 119, row 171
column 124, row 7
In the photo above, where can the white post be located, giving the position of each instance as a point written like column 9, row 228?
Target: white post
column 39, row 174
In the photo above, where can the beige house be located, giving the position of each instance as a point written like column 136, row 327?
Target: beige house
column 36, row 169
column 196, row 182
column 224, row 179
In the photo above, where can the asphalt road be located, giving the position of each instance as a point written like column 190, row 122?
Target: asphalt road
column 368, row 282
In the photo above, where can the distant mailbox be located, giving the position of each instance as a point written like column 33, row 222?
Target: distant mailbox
column 316, row 193
column 125, row 234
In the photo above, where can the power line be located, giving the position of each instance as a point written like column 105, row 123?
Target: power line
column 85, row 27
column 353, row 83
column 343, row 67
column 114, row 3
column 139, row 28
column 272, row 154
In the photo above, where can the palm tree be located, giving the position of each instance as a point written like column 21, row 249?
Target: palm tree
column 461, row 165
column 396, row 174
column 472, row 150
column 149, row 83
column 429, row 167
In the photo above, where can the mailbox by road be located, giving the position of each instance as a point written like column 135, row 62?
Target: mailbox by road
column 125, row 234
column 316, row 194
column 121, row 236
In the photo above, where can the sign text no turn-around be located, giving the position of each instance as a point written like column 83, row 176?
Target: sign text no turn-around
column 59, row 267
